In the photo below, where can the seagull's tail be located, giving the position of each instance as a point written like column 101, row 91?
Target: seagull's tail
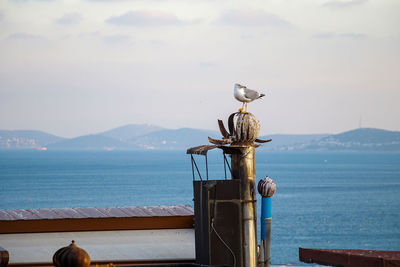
column 261, row 95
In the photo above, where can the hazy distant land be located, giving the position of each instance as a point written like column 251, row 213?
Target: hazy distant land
column 151, row 137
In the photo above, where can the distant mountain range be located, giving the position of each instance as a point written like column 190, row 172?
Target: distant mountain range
column 363, row 139
column 127, row 132
column 26, row 139
column 151, row 137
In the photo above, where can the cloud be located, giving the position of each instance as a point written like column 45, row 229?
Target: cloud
column 252, row 17
column 344, row 4
column 326, row 36
column 69, row 19
column 157, row 42
column 26, row 1
column 95, row 34
column 25, row 36
column 1, row 15
column 117, row 39
column 145, row 18
column 323, row 36
column 353, row 35
column 208, row 64
column 109, row 1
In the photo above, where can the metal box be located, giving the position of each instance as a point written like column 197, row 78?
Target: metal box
column 218, row 225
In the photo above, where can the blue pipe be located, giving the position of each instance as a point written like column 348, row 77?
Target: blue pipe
column 265, row 213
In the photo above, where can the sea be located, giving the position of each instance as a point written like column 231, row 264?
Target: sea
column 323, row 199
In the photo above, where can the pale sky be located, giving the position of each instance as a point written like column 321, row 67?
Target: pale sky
column 75, row 67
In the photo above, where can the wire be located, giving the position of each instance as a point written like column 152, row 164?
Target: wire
column 223, row 242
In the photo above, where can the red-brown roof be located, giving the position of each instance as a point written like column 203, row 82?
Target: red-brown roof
column 350, row 257
column 95, row 219
column 99, row 212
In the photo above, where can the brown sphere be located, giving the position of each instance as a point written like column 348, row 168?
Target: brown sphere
column 71, row 256
column 247, row 129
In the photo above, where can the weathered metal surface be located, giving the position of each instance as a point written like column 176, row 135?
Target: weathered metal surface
column 93, row 219
column 222, row 129
column 71, row 255
column 266, row 187
column 45, row 213
column 102, row 212
column 218, row 224
column 247, row 129
column 69, row 213
column 113, row 212
column 231, row 125
column 4, row 257
column 350, row 257
column 200, row 150
column 262, row 141
column 243, row 168
column 134, row 212
column 6, row 216
column 242, row 133
column 181, row 210
column 219, row 142
column 92, row 213
column 239, row 143
column 20, row 215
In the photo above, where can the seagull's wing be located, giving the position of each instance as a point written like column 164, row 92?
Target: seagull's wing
column 251, row 94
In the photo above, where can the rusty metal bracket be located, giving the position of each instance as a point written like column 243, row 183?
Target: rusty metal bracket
column 194, row 162
column 222, row 129
column 226, row 163
column 230, row 123
column 219, row 142
column 262, row 141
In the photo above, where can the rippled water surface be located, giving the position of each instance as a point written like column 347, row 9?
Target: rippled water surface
column 323, row 200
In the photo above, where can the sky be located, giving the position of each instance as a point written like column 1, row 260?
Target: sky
column 76, row 67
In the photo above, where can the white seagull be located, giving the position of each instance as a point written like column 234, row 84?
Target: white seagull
column 245, row 95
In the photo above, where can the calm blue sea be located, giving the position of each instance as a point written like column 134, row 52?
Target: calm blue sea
column 323, row 200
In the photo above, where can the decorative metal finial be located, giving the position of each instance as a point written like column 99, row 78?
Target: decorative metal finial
column 242, row 132
column 266, row 187
column 71, row 256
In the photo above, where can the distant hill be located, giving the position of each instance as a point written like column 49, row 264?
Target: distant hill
column 150, row 137
column 91, row 142
column 282, row 141
column 130, row 131
column 26, row 139
column 179, row 139
column 362, row 139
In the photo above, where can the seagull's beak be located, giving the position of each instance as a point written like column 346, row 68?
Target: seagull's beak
column 244, row 86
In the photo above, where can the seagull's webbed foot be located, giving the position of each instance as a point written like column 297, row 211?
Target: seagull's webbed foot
column 242, row 108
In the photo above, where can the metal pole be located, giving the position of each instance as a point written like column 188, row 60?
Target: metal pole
column 266, row 230
column 207, row 167
column 243, row 168
column 266, row 188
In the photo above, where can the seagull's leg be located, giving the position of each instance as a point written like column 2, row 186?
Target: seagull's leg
column 245, row 109
column 241, row 109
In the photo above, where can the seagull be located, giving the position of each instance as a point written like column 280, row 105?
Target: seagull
column 245, row 95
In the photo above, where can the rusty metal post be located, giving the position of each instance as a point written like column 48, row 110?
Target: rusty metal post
column 245, row 132
column 244, row 129
column 243, row 168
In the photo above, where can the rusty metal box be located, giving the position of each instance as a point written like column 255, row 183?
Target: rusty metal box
column 218, row 227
